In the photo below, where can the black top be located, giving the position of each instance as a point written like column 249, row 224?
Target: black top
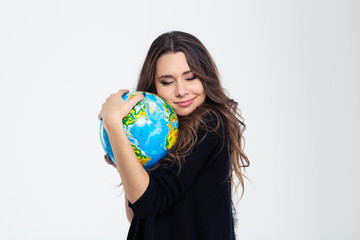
column 195, row 204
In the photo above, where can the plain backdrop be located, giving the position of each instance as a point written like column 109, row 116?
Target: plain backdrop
column 293, row 66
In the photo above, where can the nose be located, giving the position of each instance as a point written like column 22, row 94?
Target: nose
column 181, row 89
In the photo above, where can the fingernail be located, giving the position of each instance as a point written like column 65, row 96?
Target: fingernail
column 105, row 157
column 144, row 94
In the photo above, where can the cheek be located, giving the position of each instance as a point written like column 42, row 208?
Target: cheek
column 199, row 88
column 163, row 93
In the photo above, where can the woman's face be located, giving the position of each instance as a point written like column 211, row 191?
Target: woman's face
column 175, row 82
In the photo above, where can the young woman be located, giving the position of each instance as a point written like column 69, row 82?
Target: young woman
column 188, row 194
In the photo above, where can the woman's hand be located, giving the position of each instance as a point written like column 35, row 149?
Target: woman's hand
column 116, row 108
column 108, row 160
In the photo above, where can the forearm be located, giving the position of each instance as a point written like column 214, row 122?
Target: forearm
column 134, row 177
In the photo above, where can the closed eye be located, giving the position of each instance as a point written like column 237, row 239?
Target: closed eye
column 191, row 78
column 165, row 83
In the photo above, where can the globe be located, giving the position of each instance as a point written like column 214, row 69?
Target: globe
column 151, row 127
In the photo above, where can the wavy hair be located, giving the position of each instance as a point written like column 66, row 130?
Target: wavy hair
column 217, row 102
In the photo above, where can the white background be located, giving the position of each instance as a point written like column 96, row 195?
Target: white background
column 293, row 66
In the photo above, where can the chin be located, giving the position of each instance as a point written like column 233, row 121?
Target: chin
column 184, row 112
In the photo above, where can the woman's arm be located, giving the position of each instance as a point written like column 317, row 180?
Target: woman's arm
column 133, row 175
column 134, row 178
column 129, row 211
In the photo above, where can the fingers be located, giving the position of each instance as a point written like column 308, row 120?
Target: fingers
column 133, row 101
column 118, row 94
column 115, row 101
column 121, row 92
column 108, row 160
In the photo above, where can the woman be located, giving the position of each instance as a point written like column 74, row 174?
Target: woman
column 188, row 194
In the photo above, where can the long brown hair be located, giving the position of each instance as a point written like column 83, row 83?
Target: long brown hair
column 217, row 102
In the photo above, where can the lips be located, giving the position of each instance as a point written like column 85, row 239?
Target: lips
column 185, row 103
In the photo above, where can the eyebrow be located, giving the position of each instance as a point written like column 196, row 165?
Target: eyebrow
column 169, row 76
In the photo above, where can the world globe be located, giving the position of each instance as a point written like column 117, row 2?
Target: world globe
column 151, row 127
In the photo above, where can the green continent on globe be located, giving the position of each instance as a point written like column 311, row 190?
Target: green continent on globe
column 169, row 112
column 142, row 158
column 171, row 138
column 170, row 117
column 134, row 114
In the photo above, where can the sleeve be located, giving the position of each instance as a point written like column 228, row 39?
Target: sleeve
column 166, row 185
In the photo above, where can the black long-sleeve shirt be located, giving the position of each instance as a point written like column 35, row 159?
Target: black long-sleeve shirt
column 195, row 204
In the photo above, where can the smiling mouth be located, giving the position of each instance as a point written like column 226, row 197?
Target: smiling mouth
column 185, row 103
